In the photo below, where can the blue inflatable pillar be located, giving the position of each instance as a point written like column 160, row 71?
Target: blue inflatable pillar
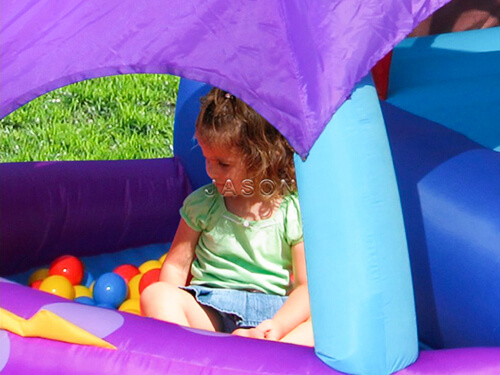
column 357, row 259
column 186, row 148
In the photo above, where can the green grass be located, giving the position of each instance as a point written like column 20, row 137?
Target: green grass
column 110, row 118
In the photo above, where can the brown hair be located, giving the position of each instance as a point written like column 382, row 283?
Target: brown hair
column 226, row 121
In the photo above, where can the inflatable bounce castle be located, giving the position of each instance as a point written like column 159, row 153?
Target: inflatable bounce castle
column 400, row 198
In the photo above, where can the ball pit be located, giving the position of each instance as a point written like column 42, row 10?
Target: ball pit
column 117, row 289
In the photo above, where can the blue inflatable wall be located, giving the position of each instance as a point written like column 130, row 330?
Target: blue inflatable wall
column 450, row 194
column 452, row 79
column 449, row 179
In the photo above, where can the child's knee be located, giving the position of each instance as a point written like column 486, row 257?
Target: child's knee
column 153, row 296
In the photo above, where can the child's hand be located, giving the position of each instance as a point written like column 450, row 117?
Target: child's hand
column 271, row 330
column 249, row 332
column 267, row 330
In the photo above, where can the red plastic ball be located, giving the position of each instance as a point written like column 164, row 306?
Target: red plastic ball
column 68, row 266
column 150, row 277
column 127, row 271
column 36, row 284
column 39, row 275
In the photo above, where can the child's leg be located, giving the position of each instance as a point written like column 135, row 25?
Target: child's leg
column 301, row 335
column 169, row 303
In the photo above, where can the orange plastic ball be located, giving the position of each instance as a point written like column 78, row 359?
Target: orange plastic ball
column 68, row 266
column 58, row 285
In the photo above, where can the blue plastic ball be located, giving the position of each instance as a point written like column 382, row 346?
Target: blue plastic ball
column 85, row 300
column 110, row 289
column 105, row 306
column 87, row 279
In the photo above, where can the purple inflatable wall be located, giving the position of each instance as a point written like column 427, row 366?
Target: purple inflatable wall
column 83, row 208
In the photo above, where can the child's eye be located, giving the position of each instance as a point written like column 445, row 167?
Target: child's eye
column 223, row 165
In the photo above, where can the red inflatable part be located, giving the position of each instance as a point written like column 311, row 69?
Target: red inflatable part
column 380, row 74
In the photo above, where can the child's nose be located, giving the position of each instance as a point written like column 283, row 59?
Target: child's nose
column 210, row 170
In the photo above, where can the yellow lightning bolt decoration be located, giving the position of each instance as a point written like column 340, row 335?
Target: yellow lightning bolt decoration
column 47, row 325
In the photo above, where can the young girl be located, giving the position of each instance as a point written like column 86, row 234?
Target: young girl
column 239, row 238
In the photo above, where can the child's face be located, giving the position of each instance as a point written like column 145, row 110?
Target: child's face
column 225, row 166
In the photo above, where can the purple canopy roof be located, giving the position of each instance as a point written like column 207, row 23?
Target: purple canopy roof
column 294, row 61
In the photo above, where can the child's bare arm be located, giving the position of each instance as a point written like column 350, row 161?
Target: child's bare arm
column 177, row 265
column 296, row 309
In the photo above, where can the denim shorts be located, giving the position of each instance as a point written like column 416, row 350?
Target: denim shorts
column 237, row 308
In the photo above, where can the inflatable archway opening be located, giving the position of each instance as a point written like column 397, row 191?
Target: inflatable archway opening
column 148, row 182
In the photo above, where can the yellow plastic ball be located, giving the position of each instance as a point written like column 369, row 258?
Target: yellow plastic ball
column 149, row 265
column 133, row 287
column 58, row 285
column 39, row 274
column 91, row 288
column 132, row 306
column 162, row 258
column 82, row 291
